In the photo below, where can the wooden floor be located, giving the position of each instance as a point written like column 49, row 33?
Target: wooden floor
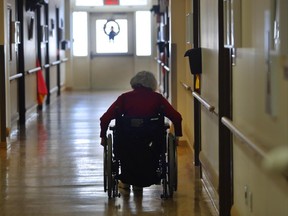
column 53, row 166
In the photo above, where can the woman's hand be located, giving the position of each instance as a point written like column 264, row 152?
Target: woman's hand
column 103, row 141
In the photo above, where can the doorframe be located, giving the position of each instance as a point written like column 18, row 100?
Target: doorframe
column 197, row 105
column 2, row 95
column 21, row 87
column 225, row 109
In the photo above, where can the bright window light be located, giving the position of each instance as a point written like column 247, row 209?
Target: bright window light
column 133, row 2
column 106, row 45
column 80, row 34
column 89, row 3
column 100, row 2
column 143, row 33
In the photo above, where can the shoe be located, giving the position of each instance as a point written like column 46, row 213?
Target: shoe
column 123, row 185
column 136, row 188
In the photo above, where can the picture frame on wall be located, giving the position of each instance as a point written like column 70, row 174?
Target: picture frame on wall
column 44, row 33
column 15, row 32
column 30, row 28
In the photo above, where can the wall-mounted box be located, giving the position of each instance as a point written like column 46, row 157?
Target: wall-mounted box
column 65, row 44
column 195, row 60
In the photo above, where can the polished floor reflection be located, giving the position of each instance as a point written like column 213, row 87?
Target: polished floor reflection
column 53, row 166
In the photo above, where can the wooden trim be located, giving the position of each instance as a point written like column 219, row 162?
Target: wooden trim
column 2, row 95
column 197, row 106
column 210, row 180
column 21, row 64
column 47, row 56
column 225, row 109
column 234, row 211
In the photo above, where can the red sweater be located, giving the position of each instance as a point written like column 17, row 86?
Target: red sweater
column 141, row 102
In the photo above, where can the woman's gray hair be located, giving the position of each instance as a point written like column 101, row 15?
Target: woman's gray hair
column 144, row 79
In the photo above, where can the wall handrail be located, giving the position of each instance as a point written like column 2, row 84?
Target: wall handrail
column 229, row 124
column 203, row 102
column 55, row 89
column 46, row 66
column 64, row 60
column 199, row 98
column 33, row 70
column 16, row 76
column 166, row 68
column 162, row 64
column 187, row 87
column 55, row 63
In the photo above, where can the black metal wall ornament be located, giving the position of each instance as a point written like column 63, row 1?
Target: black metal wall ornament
column 112, row 32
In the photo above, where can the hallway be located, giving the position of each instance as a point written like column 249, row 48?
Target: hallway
column 54, row 167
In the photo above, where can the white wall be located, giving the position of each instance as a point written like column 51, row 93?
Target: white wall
column 267, row 191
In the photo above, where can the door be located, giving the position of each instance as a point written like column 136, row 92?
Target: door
column 13, row 69
column 212, row 139
column 111, row 50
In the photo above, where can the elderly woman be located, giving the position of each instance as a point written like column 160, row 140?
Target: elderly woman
column 142, row 101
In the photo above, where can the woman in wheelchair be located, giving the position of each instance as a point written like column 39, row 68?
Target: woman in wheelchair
column 142, row 103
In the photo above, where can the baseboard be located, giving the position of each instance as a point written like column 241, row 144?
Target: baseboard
column 210, row 181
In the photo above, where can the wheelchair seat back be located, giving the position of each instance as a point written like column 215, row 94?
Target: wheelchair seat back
column 138, row 144
column 140, row 127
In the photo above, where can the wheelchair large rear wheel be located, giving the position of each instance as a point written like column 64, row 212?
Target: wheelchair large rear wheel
column 172, row 165
column 109, row 166
column 105, row 173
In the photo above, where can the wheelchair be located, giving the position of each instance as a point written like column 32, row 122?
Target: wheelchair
column 140, row 152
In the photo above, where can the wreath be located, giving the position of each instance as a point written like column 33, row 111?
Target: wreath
column 112, row 32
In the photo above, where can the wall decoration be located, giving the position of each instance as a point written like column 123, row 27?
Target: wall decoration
column 30, row 27
column 114, row 29
column 15, row 31
column 189, row 28
column 9, row 19
column 60, row 34
column 52, row 27
column 44, row 34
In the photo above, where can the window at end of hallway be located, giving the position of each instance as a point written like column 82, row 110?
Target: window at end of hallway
column 89, row 3
column 143, row 33
column 80, row 34
column 101, row 2
column 133, row 2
